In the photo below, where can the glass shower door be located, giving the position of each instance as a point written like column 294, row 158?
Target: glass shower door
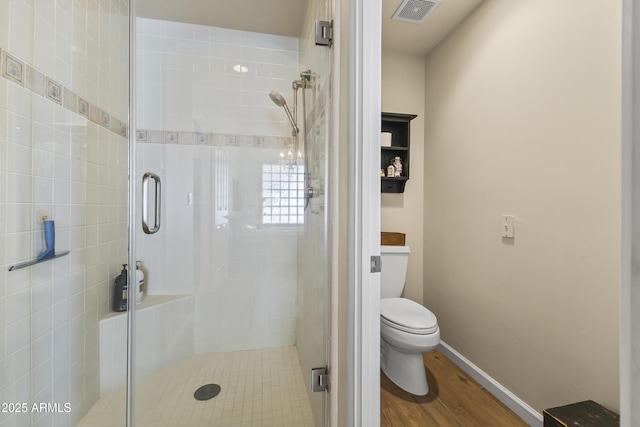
column 234, row 311
column 313, row 320
column 63, row 205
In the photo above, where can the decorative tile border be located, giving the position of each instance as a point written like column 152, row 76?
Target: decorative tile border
column 83, row 107
column 212, row 139
column 28, row 77
column 54, row 91
column 13, row 69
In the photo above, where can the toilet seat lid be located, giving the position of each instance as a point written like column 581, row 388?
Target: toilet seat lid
column 407, row 315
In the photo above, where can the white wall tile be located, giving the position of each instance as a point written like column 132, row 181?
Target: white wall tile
column 44, row 50
column 19, row 100
column 21, row 39
column 41, row 350
column 41, row 322
column 17, row 334
column 17, row 366
column 41, row 296
column 5, row 27
column 165, row 28
column 47, row 33
column 43, row 163
column 42, row 190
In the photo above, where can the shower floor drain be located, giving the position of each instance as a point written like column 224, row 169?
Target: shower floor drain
column 207, row 392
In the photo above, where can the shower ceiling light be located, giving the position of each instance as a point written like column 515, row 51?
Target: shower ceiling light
column 240, row 68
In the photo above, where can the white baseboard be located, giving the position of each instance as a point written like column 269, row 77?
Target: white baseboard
column 513, row 402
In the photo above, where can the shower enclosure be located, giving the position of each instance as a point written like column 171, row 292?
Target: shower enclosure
column 233, row 252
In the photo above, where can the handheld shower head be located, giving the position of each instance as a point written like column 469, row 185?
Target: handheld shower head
column 279, row 100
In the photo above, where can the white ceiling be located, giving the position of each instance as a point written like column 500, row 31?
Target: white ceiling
column 280, row 17
column 285, row 17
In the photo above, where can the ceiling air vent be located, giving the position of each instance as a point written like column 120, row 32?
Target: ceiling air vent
column 415, row 11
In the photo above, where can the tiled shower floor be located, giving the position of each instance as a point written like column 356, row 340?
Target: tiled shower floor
column 259, row 388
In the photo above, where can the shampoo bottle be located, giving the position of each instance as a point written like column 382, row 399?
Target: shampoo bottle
column 139, row 282
column 120, row 291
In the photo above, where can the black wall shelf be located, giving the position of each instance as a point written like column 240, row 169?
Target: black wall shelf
column 399, row 126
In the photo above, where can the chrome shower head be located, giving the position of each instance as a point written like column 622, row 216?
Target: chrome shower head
column 279, row 100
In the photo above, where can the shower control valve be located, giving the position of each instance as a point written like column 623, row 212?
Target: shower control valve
column 311, row 192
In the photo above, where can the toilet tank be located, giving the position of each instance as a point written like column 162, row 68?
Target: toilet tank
column 395, row 260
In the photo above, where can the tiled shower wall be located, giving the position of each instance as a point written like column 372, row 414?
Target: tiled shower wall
column 63, row 86
column 187, row 81
column 206, row 129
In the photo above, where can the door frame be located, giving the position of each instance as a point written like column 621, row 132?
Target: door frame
column 630, row 230
column 363, row 211
column 132, row 216
column 364, row 49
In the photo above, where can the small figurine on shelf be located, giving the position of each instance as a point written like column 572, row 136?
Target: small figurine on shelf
column 397, row 164
column 391, row 171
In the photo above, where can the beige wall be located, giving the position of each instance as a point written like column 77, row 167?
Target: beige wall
column 523, row 118
column 403, row 83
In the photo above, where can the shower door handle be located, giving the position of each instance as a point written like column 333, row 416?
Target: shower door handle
column 146, row 182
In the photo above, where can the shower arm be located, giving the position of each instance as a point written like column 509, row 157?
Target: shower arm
column 308, row 191
column 294, row 126
column 306, row 82
column 294, row 120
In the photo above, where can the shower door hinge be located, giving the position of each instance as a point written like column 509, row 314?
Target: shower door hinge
column 319, row 379
column 324, row 33
column 376, row 264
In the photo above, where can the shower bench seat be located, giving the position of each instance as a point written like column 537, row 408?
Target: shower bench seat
column 164, row 335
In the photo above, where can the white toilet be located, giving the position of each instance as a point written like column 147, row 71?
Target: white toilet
column 407, row 328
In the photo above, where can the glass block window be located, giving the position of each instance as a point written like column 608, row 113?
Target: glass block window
column 282, row 194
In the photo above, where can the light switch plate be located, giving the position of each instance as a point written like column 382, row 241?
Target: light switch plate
column 507, row 227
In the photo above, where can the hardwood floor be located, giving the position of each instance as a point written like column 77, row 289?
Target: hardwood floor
column 454, row 400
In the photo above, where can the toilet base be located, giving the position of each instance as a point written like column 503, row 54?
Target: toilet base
column 406, row 370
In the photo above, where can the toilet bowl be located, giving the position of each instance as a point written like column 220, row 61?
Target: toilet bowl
column 407, row 329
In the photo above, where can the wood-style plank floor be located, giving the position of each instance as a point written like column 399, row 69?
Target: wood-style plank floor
column 454, row 400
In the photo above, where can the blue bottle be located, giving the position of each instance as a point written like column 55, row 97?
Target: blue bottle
column 49, row 240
